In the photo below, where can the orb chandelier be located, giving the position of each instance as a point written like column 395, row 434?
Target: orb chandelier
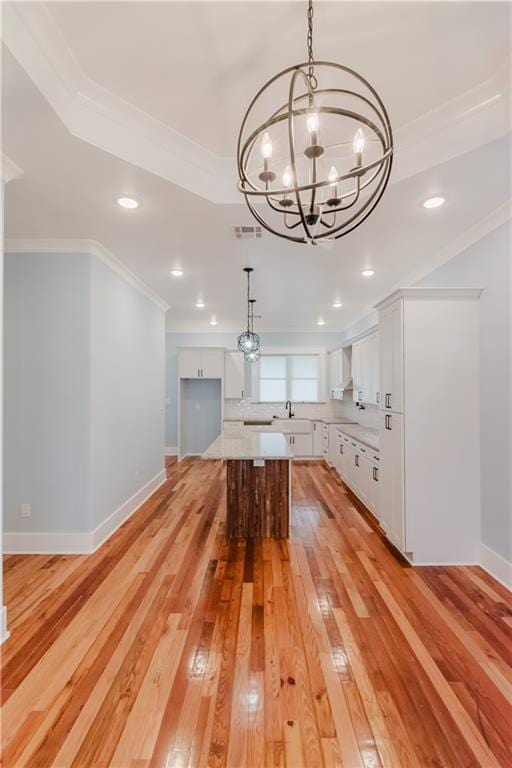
column 248, row 341
column 314, row 166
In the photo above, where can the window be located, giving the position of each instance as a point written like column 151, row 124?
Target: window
column 289, row 377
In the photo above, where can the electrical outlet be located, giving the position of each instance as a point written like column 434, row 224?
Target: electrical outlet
column 26, row 510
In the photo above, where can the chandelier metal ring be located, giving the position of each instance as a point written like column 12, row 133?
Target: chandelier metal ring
column 299, row 202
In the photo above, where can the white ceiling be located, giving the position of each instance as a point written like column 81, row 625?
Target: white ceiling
column 68, row 185
column 185, row 63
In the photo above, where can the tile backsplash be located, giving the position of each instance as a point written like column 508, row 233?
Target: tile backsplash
column 245, row 409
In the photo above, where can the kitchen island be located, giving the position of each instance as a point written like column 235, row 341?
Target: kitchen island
column 258, row 482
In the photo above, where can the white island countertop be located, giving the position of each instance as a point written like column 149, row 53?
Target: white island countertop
column 249, row 444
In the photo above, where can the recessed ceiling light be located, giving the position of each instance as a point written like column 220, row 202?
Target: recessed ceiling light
column 200, row 304
column 321, row 321
column 213, row 321
column 368, row 272
column 128, row 202
column 434, row 202
column 177, row 272
column 337, row 305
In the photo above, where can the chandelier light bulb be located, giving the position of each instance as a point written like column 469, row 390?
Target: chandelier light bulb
column 266, row 147
column 358, row 143
column 333, row 175
column 287, row 177
column 313, row 123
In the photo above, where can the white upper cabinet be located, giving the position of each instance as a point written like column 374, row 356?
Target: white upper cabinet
column 201, row 363
column 391, row 357
column 335, row 369
column 357, row 371
column 365, row 369
column 234, row 375
column 373, row 369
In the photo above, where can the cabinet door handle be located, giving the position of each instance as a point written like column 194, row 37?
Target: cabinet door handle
column 242, row 394
column 375, row 474
column 377, row 397
column 341, row 449
column 356, row 459
column 387, row 422
column 198, row 373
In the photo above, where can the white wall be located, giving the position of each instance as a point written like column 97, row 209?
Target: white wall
column 487, row 264
column 84, row 388
column 46, row 394
column 126, row 391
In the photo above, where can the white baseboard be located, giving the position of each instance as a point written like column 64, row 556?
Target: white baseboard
column 496, row 565
column 4, row 632
column 171, row 450
column 47, row 543
column 85, row 543
column 126, row 510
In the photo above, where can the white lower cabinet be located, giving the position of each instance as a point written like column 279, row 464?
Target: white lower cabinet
column 301, row 444
column 317, row 438
column 374, row 485
column 358, row 467
column 392, row 512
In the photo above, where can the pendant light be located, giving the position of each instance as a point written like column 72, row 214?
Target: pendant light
column 321, row 157
column 248, row 341
column 254, row 355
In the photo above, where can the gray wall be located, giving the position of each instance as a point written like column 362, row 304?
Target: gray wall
column 228, row 340
column 84, row 387
column 46, row 396
column 127, row 391
column 487, row 264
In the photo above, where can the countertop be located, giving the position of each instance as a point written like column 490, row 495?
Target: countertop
column 249, row 444
column 366, row 435
column 336, row 420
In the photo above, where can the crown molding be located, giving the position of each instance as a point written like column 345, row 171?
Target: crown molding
column 465, row 240
column 10, row 170
column 99, row 117
column 84, row 246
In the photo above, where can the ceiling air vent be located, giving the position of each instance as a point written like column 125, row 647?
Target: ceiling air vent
column 248, row 232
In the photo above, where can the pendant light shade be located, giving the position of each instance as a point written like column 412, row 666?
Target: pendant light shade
column 248, row 341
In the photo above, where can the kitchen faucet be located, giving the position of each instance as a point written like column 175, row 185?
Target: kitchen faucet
column 288, row 407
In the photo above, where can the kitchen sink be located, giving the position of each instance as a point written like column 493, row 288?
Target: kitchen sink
column 293, row 425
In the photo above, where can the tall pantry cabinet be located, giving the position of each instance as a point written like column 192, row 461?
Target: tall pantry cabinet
column 429, row 423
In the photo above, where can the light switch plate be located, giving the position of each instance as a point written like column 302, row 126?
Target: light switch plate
column 259, row 462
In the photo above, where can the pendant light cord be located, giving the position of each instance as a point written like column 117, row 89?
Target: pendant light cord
column 312, row 79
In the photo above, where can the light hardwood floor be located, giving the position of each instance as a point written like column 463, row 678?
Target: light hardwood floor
column 171, row 647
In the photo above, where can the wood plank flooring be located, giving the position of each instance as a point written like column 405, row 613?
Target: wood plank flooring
column 172, row 647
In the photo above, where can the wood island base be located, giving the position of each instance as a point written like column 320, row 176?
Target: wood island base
column 258, row 499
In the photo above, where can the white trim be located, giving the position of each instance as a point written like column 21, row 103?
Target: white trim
column 10, row 170
column 105, row 530
column 93, row 247
column 429, row 294
column 4, row 632
column 81, row 543
column 496, row 565
column 46, row 543
column 171, row 450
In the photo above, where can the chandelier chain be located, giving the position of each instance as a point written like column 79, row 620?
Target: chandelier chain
column 311, row 75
